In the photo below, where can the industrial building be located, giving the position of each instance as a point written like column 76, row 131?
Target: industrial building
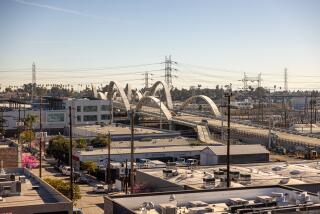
column 267, row 199
column 239, row 154
column 99, row 156
column 22, row 192
column 304, row 176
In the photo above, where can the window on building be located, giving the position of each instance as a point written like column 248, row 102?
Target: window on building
column 104, row 108
column 90, row 118
column 79, row 118
column 90, row 108
column 105, row 117
column 78, row 108
column 55, row 117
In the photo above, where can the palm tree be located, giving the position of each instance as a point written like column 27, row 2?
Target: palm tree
column 29, row 120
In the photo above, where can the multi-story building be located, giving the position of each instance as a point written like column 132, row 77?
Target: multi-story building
column 54, row 120
column 89, row 111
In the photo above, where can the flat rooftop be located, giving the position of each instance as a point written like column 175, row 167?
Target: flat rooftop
column 28, row 196
column 160, row 142
column 261, row 174
column 161, row 149
column 217, row 201
column 120, row 129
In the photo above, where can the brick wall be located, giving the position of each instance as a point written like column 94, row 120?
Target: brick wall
column 9, row 157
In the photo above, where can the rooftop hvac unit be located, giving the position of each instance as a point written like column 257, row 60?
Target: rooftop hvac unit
column 234, row 175
column 208, row 182
column 237, row 201
column 303, row 198
column 244, row 178
column 168, row 208
column 279, row 198
column 264, row 199
column 219, row 174
column 167, row 173
column 200, row 210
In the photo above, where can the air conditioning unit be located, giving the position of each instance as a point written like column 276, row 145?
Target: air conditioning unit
column 168, row 208
column 237, row 201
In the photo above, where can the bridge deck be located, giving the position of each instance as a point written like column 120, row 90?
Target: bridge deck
column 253, row 130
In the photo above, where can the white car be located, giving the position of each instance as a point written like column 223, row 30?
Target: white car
column 99, row 188
column 66, row 170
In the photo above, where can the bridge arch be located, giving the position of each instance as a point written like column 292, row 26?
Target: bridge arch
column 166, row 88
column 102, row 95
column 122, row 93
column 213, row 107
column 155, row 100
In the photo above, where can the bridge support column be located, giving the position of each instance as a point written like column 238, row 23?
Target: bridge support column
column 171, row 125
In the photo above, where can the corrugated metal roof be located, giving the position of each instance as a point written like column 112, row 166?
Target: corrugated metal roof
column 239, row 149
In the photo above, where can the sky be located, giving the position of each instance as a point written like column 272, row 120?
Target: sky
column 212, row 41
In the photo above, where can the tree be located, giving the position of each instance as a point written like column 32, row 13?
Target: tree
column 64, row 188
column 59, row 148
column 99, row 141
column 81, row 143
column 27, row 136
column 90, row 166
column 30, row 120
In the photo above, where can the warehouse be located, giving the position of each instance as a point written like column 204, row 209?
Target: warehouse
column 212, row 155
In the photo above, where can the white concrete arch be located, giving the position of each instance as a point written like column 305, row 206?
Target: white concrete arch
column 102, row 96
column 94, row 91
column 166, row 88
column 155, row 100
column 213, row 106
column 128, row 91
column 122, row 93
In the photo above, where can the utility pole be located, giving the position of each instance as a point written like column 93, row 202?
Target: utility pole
column 40, row 140
column 221, row 104
column 228, row 95
column 160, row 111
column 109, row 161
column 70, row 153
column 132, row 153
column 111, row 110
column 311, row 111
column 34, row 83
column 270, row 120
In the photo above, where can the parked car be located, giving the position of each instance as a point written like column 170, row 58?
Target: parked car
column 60, row 167
column 181, row 162
column 99, row 188
column 144, row 163
column 82, row 180
column 192, row 162
column 66, row 170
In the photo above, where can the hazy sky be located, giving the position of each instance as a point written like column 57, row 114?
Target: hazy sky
column 235, row 36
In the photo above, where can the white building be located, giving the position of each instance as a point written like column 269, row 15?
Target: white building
column 85, row 111
column 89, row 111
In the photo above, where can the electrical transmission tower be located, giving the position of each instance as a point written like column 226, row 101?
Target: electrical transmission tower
column 286, row 80
column 168, row 71
column 247, row 79
column 34, row 80
column 147, row 75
